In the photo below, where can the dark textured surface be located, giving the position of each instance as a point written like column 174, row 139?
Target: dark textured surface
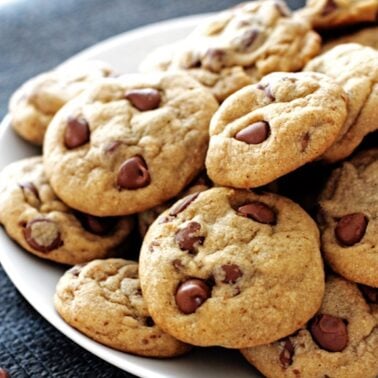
column 36, row 35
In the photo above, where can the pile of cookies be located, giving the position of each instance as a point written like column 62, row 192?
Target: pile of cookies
column 189, row 165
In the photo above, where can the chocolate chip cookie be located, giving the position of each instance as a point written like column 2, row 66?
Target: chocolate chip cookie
column 42, row 224
column 355, row 68
column 366, row 37
column 240, row 45
column 113, row 150
column 269, row 129
column 103, row 300
column 232, row 268
column 348, row 219
column 341, row 341
column 326, row 14
column 35, row 103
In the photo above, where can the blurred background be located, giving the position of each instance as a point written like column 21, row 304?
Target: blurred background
column 36, row 35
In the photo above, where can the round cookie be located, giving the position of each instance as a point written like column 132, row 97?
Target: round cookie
column 348, row 219
column 34, row 104
column 232, row 268
column 113, row 150
column 42, row 224
column 355, row 68
column 238, row 46
column 327, row 14
column 267, row 130
column 341, row 341
column 146, row 218
column 104, row 301
column 366, row 37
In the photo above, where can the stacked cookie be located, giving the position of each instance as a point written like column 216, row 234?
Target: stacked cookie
column 201, row 151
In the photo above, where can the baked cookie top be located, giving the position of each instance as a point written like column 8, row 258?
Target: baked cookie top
column 35, row 103
column 113, row 150
column 366, row 37
column 326, row 14
column 269, row 129
column 232, row 268
column 355, row 68
column 348, row 219
column 240, row 45
column 341, row 341
column 103, row 300
column 42, row 224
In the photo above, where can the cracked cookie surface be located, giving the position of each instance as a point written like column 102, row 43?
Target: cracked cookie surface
column 348, row 219
column 112, row 150
column 341, row 341
column 35, row 103
column 103, row 300
column 232, row 268
column 269, row 129
column 42, row 224
column 326, row 14
column 239, row 46
column 355, row 68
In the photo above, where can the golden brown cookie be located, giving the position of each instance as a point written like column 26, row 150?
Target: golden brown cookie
column 35, row 103
column 269, row 129
column 42, row 224
column 341, row 341
column 240, row 45
column 116, row 149
column 327, row 14
column 355, row 68
column 232, row 268
column 103, row 300
column 348, row 219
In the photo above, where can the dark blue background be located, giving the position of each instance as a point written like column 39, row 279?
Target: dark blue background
column 36, row 35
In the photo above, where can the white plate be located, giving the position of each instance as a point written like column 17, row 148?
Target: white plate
column 36, row 279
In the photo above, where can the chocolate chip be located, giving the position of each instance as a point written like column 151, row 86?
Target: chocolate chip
column 329, row 7
column 259, row 212
column 247, row 39
column 97, row 225
column 329, row 332
column 133, row 174
column 232, row 273
column 256, row 133
column 214, row 59
column 370, row 293
column 191, row 294
column 351, row 228
column 305, row 141
column 267, row 90
column 4, row 373
column 30, row 187
column 144, row 98
column 149, row 322
column 183, row 204
column 42, row 235
column 186, row 238
column 287, row 353
column 77, row 133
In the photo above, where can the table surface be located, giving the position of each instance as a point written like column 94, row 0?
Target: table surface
column 35, row 36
